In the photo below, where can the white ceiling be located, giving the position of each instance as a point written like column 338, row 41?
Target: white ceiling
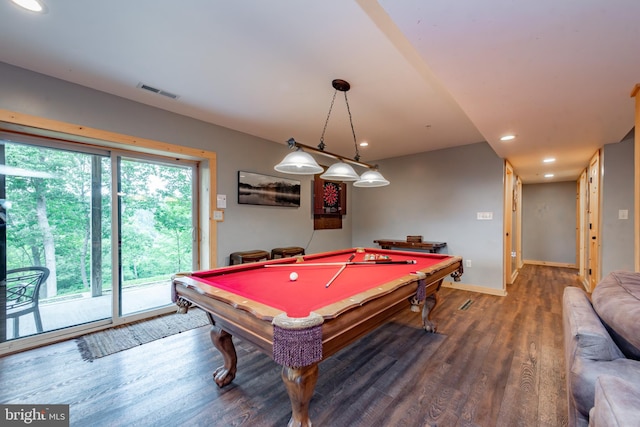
column 424, row 74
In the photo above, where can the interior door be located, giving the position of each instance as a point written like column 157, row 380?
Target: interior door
column 593, row 215
column 509, row 204
column 516, row 254
column 582, row 227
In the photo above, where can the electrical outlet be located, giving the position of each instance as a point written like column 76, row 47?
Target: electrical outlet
column 467, row 263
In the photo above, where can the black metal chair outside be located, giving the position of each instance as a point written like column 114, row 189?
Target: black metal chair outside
column 23, row 287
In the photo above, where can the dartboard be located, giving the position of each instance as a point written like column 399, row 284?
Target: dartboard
column 331, row 194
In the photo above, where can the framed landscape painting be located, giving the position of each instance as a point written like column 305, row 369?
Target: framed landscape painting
column 258, row 189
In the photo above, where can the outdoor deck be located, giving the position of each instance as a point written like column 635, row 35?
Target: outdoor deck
column 84, row 308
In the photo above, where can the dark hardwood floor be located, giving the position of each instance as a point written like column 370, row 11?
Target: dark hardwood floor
column 496, row 361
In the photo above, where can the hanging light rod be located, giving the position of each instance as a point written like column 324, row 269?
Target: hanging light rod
column 293, row 144
column 300, row 162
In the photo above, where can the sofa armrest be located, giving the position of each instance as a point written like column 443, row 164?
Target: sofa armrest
column 585, row 335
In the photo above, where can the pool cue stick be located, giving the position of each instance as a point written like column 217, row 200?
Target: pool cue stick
column 336, row 275
column 340, row 271
column 304, row 264
column 382, row 261
column 322, row 264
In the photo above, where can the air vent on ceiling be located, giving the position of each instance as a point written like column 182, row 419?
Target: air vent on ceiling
column 158, row 91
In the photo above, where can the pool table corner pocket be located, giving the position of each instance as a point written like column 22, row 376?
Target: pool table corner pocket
column 297, row 342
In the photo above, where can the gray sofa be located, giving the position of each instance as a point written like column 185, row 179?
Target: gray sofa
column 602, row 338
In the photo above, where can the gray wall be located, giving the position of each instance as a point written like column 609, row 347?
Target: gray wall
column 549, row 222
column 437, row 195
column 617, row 235
column 244, row 227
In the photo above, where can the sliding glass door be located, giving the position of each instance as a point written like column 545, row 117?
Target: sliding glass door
column 156, row 230
column 58, row 208
column 71, row 251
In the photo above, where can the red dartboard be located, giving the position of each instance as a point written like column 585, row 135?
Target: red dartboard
column 331, row 194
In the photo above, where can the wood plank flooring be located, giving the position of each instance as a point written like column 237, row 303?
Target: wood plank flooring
column 497, row 362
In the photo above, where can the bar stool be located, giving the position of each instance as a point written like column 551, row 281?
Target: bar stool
column 248, row 256
column 289, row 251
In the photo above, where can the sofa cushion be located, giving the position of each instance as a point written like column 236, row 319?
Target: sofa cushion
column 616, row 299
column 617, row 403
column 584, row 374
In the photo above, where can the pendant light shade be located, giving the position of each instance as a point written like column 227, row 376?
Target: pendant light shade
column 299, row 163
column 371, row 178
column 31, row 5
column 340, row 172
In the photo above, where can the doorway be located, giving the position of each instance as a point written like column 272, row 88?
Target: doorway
column 512, row 225
column 593, row 222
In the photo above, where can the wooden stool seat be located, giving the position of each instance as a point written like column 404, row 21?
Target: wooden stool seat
column 289, row 251
column 248, row 256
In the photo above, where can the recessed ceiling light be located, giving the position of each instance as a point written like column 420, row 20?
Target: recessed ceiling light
column 364, row 144
column 549, row 160
column 32, row 5
column 548, row 175
column 507, row 137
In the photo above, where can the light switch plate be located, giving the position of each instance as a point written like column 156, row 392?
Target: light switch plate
column 221, row 201
column 485, row 216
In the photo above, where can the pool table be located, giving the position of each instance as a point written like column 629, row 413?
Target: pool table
column 336, row 298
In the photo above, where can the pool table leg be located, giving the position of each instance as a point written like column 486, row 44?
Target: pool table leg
column 300, row 383
column 430, row 304
column 222, row 340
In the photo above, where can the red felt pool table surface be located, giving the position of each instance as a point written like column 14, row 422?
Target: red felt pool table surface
column 268, row 282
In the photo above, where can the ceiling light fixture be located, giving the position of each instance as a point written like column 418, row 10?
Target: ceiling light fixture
column 507, row 138
column 302, row 163
column 549, row 160
column 548, row 175
column 31, row 5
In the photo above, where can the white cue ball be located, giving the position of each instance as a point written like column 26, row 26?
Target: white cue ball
column 293, row 276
